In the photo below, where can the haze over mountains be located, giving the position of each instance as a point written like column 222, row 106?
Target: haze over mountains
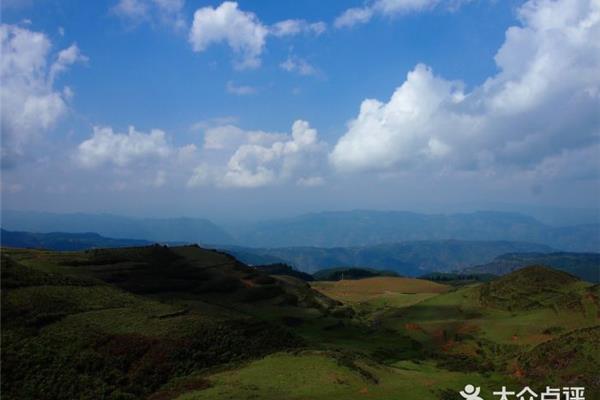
column 412, row 258
column 192, row 230
column 325, row 229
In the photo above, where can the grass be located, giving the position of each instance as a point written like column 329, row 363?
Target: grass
column 190, row 323
column 368, row 289
column 318, row 375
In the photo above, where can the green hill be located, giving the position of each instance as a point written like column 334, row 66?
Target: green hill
column 185, row 322
column 586, row 266
column 567, row 359
column 284, row 269
column 530, row 288
column 120, row 323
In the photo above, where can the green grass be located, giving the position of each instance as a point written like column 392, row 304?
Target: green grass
column 190, row 323
column 314, row 375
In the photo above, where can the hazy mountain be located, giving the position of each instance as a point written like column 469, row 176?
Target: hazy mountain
column 406, row 258
column 64, row 241
column 360, row 228
column 583, row 265
column 190, row 230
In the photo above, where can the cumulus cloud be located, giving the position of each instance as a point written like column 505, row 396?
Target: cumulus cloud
column 225, row 137
column 541, row 107
column 241, row 30
column 361, row 15
column 165, row 11
column 264, row 158
column 31, row 105
column 121, row 149
column 291, row 27
column 299, row 66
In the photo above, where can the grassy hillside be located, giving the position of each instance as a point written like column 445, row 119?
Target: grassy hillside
column 190, row 323
column 586, row 266
column 284, row 269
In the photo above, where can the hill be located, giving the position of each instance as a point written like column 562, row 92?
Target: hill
column 365, row 228
column 412, row 258
column 186, row 230
column 586, row 266
column 186, row 322
column 284, row 269
column 531, row 287
column 368, row 289
column 63, row 241
column 337, row 274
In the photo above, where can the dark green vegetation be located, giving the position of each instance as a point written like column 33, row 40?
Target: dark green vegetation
column 284, row 269
column 412, row 258
column 457, row 278
column 586, row 266
column 188, row 323
column 64, row 241
column 336, row 274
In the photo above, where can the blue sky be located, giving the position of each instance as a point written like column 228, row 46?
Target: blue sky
column 275, row 118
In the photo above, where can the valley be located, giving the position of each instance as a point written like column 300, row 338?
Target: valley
column 192, row 323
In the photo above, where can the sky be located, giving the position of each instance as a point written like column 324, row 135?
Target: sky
column 257, row 109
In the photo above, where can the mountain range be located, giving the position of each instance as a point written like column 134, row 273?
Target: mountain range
column 410, row 258
column 325, row 229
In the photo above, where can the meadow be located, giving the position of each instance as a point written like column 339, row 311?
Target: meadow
column 190, row 323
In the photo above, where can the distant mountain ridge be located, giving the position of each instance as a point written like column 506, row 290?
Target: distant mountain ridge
column 364, row 227
column 586, row 266
column 411, row 258
column 188, row 230
column 325, row 229
column 64, row 241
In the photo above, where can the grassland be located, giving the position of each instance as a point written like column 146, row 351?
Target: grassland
column 189, row 323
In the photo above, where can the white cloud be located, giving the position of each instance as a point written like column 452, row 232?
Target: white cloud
column 121, row 149
column 388, row 8
column 264, row 158
column 353, row 16
column 66, row 58
column 136, row 9
column 165, row 11
column 240, row 90
column 30, row 103
column 542, row 104
column 231, row 137
column 298, row 65
column 241, row 30
column 291, row 27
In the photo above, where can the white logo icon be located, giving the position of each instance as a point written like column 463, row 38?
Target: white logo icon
column 471, row 393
